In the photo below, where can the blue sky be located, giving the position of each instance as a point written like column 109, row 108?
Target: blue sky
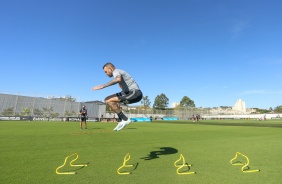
column 213, row 51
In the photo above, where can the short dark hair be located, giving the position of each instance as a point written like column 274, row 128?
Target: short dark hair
column 108, row 64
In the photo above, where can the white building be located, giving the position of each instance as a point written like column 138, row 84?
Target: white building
column 239, row 107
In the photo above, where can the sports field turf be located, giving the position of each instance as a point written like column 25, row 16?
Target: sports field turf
column 31, row 152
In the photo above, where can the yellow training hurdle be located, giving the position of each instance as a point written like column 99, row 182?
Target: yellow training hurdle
column 126, row 158
column 244, row 166
column 182, row 165
column 73, row 165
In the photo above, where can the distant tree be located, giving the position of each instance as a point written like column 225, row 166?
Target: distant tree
column 37, row 112
column 54, row 115
column 47, row 111
column 187, row 102
column 25, row 111
column 108, row 109
column 70, row 113
column 146, row 102
column 278, row 109
column 261, row 111
column 66, row 98
column 73, row 112
column 70, row 98
column 270, row 109
column 8, row 112
column 67, row 113
column 161, row 102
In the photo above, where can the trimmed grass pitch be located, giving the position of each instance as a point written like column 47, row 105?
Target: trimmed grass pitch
column 31, row 151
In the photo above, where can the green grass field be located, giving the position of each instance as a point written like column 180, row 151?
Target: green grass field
column 31, row 152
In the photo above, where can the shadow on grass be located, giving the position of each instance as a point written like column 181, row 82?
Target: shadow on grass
column 162, row 151
column 188, row 168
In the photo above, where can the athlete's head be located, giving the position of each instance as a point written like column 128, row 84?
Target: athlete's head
column 109, row 68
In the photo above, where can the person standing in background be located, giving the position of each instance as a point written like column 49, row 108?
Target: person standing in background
column 83, row 116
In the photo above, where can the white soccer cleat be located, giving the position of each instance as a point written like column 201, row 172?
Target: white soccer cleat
column 123, row 124
column 127, row 122
column 118, row 126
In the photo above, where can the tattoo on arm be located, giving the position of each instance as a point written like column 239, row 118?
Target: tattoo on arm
column 112, row 82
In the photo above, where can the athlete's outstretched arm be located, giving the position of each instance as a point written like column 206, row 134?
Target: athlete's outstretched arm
column 116, row 80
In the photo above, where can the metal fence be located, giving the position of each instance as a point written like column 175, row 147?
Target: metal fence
column 189, row 113
column 181, row 113
column 17, row 105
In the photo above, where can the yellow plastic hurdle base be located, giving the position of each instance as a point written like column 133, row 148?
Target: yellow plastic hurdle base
column 244, row 166
column 73, row 165
column 126, row 158
column 182, row 165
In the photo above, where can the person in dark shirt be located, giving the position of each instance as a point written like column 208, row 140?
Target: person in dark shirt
column 83, row 116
